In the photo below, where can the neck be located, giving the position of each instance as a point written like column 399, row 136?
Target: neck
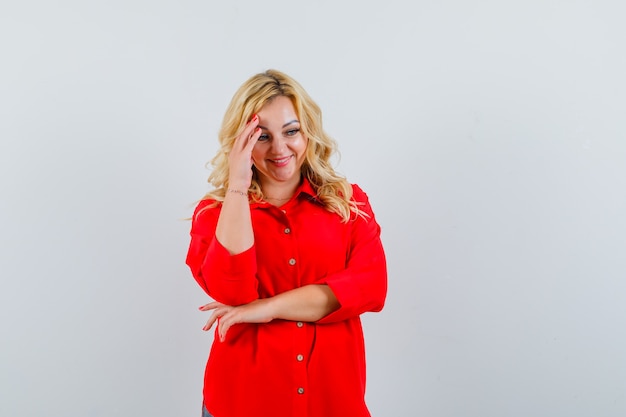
column 280, row 191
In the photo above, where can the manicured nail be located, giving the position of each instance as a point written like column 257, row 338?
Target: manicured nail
column 254, row 116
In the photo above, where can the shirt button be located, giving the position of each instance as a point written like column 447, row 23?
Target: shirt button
column 299, row 324
column 292, row 262
column 300, row 390
column 287, row 230
column 300, row 358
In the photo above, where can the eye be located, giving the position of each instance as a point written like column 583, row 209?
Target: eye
column 292, row 132
column 264, row 137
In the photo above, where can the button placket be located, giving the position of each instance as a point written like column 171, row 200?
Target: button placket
column 301, row 338
column 287, row 232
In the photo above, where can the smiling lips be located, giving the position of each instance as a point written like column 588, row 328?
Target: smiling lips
column 281, row 162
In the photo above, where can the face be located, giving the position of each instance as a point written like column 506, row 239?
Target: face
column 279, row 153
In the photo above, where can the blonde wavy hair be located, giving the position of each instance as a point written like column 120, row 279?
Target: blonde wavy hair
column 332, row 189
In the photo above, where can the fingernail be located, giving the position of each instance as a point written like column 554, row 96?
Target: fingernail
column 200, row 308
column 254, row 116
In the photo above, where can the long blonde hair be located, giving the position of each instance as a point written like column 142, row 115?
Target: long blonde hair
column 332, row 189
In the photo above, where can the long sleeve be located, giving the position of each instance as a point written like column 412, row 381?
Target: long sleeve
column 229, row 279
column 362, row 285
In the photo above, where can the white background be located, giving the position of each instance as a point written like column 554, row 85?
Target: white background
column 489, row 136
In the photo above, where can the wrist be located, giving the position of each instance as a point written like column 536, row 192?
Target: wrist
column 237, row 191
column 238, row 185
column 272, row 306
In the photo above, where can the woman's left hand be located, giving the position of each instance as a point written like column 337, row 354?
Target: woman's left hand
column 258, row 311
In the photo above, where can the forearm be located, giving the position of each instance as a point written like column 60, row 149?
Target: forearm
column 309, row 303
column 234, row 226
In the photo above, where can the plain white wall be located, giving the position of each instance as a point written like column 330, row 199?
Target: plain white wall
column 489, row 136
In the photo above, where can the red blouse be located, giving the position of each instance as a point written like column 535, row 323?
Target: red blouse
column 285, row 368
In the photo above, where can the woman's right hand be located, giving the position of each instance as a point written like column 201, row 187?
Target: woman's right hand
column 240, row 158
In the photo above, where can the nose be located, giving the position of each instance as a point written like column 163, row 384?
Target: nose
column 278, row 145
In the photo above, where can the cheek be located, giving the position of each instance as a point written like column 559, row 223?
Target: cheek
column 257, row 152
column 304, row 142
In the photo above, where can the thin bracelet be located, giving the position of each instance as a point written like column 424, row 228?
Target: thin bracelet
column 232, row 190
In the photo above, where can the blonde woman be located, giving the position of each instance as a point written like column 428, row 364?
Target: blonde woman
column 291, row 254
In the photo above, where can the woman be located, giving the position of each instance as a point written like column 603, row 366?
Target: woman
column 291, row 254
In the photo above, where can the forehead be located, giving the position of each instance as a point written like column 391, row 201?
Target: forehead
column 280, row 109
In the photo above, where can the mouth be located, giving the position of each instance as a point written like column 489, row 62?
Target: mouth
column 281, row 161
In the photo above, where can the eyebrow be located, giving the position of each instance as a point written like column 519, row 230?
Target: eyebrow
column 285, row 125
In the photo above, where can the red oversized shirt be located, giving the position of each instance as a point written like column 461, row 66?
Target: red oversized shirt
column 285, row 368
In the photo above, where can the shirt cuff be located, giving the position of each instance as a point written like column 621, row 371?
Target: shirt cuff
column 231, row 267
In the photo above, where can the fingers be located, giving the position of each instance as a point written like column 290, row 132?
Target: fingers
column 255, row 312
column 211, row 320
column 258, row 311
column 253, row 139
column 225, row 323
column 210, row 306
column 240, row 158
column 250, row 133
column 219, row 310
